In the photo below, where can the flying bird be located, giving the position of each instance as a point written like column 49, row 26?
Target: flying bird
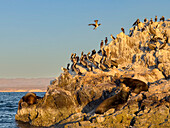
column 96, row 25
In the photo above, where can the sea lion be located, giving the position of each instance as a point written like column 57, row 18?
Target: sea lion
column 30, row 98
column 116, row 101
column 136, row 85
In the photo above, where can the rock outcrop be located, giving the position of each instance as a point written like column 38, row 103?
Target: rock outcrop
column 71, row 99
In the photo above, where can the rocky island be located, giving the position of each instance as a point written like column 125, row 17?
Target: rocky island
column 137, row 64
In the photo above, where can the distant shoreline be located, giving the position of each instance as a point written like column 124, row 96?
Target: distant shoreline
column 32, row 90
column 24, row 84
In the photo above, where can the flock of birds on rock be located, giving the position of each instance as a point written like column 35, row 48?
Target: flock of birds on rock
column 154, row 38
column 88, row 61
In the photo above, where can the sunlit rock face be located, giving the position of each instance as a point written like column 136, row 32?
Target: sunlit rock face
column 71, row 98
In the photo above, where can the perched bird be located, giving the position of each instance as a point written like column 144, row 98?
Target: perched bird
column 164, row 33
column 130, row 33
column 152, row 31
column 71, row 58
column 164, row 44
column 82, row 53
column 145, row 20
column 93, row 52
column 107, row 52
column 83, row 62
column 101, row 44
column 162, row 18
column 72, row 69
column 89, row 67
column 68, row 66
column 123, row 30
column 113, row 38
column 152, row 46
column 107, row 62
column 156, row 18
column 114, row 63
column 155, row 39
column 102, row 67
column 77, row 59
column 151, row 21
column 103, row 52
column 143, row 29
column 77, row 70
column 95, row 64
column 84, row 57
column 106, row 40
column 64, row 69
column 136, row 22
column 95, row 25
column 89, row 58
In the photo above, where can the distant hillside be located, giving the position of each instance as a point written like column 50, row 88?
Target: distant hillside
column 23, row 84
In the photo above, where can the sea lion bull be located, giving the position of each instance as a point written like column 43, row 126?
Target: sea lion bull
column 115, row 101
column 30, row 98
column 136, row 85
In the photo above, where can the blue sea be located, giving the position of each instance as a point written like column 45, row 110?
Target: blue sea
column 8, row 109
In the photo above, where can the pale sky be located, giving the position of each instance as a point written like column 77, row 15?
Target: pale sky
column 37, row 37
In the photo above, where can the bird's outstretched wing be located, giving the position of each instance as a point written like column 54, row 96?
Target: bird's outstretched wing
column 92, row 24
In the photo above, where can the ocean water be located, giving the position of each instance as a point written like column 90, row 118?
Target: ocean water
column 8, row 109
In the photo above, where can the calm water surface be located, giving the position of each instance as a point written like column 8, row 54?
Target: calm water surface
column 8, row 109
